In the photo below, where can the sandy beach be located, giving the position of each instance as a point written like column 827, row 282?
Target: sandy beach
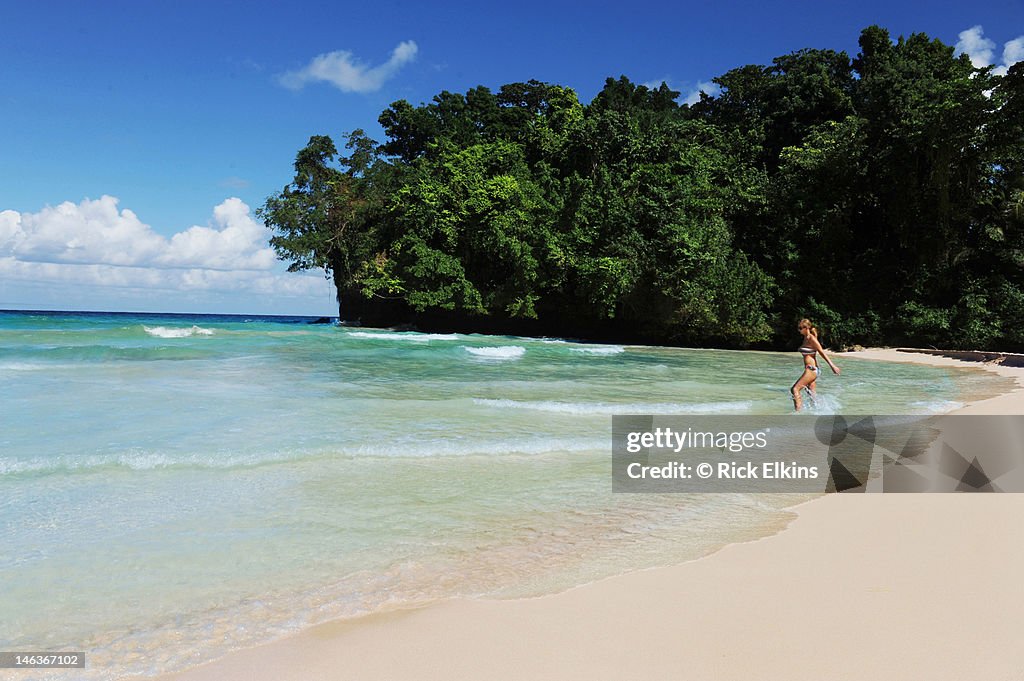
column 915, row 586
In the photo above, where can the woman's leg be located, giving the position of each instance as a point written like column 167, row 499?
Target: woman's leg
column 806, row 378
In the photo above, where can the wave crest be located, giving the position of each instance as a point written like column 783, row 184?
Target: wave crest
column 602, row 408
column 177, row 332
column 413, row 336
column 601, row 350
column 501, row 353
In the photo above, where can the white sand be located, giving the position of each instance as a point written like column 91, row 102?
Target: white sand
column 863, row 586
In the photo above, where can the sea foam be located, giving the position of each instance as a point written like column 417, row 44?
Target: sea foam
column 821, row 404
column 140, row 461
column 601, row 350
column 500, row 353
column 177, row 332
column 582, row 408
column 416, row 337
column 937, row 406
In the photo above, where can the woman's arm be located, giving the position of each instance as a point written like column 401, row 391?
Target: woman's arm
column 817, row 346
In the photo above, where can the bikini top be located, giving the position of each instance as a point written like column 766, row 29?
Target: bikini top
column 804, row 350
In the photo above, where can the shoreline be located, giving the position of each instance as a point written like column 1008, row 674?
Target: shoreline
column 1011, row 402
column 912, row 586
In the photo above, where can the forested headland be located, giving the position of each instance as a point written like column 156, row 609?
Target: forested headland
column 880, row 195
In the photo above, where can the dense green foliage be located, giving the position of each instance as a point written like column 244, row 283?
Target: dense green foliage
column 882, row 196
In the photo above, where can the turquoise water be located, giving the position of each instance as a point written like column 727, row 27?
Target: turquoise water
column 173, row 487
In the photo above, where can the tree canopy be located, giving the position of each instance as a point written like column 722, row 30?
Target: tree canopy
column 881, row 195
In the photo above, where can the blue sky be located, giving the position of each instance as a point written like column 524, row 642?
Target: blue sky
column 184, row 113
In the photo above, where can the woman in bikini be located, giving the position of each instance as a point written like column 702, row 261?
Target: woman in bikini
column 810, row 349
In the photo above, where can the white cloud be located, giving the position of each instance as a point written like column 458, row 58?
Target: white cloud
column 153, row 279
column 1013, row 52
column 236, row 242
column 655, row 84
column 974, row 44
column 690, row 95
column 981, row 50
column 707, row 87
column 90, row 232
column 10, row 225
column 95, row 232
column 343, row 70
column 95, row 245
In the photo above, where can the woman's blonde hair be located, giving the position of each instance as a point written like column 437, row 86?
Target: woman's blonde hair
column 810, row 325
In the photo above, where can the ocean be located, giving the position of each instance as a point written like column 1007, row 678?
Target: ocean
column 176, row 486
